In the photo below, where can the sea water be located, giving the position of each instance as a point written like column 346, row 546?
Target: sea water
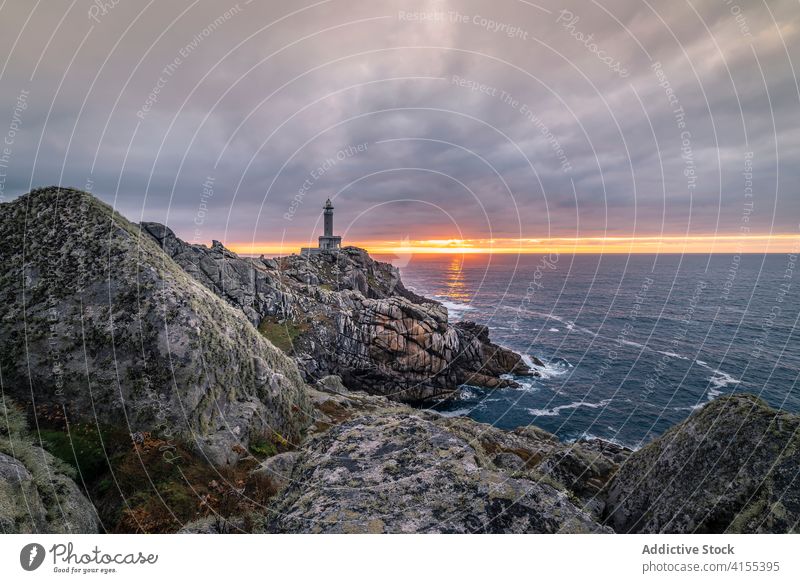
column 631, row 345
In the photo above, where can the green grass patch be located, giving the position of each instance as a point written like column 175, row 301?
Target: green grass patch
column 263, row 447
column 270, row 444
column 281, row 334
column 86, row 448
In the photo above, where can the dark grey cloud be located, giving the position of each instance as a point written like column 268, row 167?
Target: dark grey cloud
column 258, row 97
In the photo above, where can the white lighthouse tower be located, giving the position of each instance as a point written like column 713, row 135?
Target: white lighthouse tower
column 327, row 241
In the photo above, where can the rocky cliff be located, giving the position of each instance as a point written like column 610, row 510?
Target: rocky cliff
column 99, row 322
column 131, row 350
column 374, row 466
column 344, row 313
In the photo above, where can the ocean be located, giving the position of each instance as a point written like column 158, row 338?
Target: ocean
column 631, row 345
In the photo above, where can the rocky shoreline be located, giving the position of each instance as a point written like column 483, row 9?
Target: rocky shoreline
column 277, row 395
column 343, row 313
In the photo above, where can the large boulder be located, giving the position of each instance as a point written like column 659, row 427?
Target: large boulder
column 96, row 319
column 730, row 467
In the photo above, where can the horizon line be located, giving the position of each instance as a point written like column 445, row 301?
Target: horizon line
column 691, row 244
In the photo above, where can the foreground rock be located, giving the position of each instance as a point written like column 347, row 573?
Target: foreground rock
column 404, row 473
column 384, row 467
column 98, row 320
column 37, row 491
column 731, row 467
column 344, row 313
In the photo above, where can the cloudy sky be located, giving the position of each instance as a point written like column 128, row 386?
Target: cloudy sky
column 485, row 121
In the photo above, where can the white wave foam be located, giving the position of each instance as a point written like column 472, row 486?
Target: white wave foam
column 672, row 355
column 467, row 393
column 569, row 324
column 527, row 386
column 557, row 410
column 454, row 413
column 550, row 369
column 553, row 330
column 666, row 353
column 589, row 436
column 557, row 319
column 721, row 379
column 691, row 408
column 649, row 348
column 634, row 344
column 457, row 306
column 454, row 309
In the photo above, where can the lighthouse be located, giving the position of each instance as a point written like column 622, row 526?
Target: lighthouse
column 328, row 212
column 327, row 241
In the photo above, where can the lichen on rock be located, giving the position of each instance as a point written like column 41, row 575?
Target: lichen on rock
column 374, row 465
column 403, row 472
column 730, row 467
column 99, row 320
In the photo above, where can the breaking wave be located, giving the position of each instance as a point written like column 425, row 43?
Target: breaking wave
column 455, row 310
column 557, row 410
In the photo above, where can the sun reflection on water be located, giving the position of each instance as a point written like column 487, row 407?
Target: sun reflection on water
column 454, row 280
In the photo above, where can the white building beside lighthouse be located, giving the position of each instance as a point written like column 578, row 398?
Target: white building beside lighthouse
column 327, row 241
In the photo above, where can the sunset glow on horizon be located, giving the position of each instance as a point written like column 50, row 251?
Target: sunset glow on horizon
column 776, row 243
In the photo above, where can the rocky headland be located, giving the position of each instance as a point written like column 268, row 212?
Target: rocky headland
column 151, row 385
column 343, row 313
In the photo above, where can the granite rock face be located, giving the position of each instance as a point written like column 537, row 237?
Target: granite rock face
column 377, row 466
column 42, row 500
column 403, row 473
column 97, row 319
column 346, row 314
column 37, row 491
column 730, row 467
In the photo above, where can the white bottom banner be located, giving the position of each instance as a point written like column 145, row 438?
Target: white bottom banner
column 355, row 558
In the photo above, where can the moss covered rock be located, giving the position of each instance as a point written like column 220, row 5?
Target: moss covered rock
column 37, row 491
column 733, row 466
column 402, row 472
column 99, row 321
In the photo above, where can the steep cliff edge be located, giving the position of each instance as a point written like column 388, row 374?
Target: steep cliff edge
column 98, row 322
column 344, row 313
